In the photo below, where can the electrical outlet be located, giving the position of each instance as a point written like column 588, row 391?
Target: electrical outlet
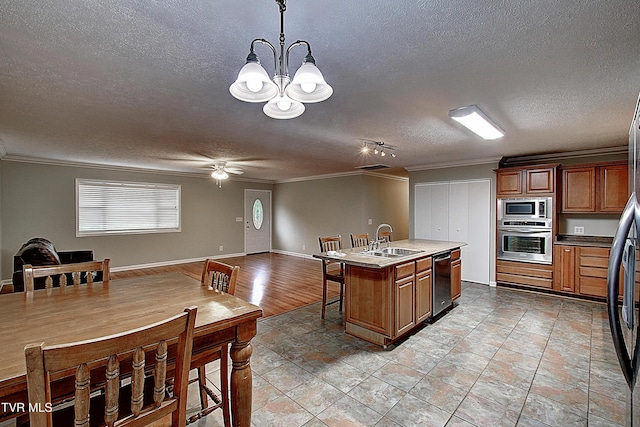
column 238, row 219
column 370, row 221
column 304, row 247
column 221, row 248
column 578, row 230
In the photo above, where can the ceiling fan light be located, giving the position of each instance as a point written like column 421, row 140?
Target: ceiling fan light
column 219, row 174
column 253, row 84
column 275, row 108
column 308, row 85
column 476, row 121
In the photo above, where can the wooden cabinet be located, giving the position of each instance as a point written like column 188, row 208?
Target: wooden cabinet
column 456, row 275
column 405, row 290
column 536, row 180
column 423, row 289
column 524, row 274
column 596, row 188
column 592, row 266
column 614, row 187
column 564, row 268
column 383, row 304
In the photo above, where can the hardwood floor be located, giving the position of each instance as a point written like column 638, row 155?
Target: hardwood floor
column 277, row 283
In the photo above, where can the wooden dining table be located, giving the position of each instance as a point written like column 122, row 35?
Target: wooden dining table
column 63, row 315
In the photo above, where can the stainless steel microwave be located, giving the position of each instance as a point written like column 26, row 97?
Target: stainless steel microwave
column 525, row 208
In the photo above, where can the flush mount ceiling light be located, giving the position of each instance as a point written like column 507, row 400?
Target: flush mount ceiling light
column 284, row 96
column 476, row 121
column 377, row 147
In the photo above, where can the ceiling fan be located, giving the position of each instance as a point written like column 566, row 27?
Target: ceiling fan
column 221, row 172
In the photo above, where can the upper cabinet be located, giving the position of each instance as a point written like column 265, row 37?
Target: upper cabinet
column 595, row 188
column 522, row 181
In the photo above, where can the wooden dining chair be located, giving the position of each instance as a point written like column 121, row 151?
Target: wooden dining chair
column 66, row 274
column 359, row 240
column 220, row 277
column 331, row 270
column 109, row 356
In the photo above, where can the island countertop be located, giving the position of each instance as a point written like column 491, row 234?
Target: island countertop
column 354, row 256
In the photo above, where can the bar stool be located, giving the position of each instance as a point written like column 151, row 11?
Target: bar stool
column 331, row 270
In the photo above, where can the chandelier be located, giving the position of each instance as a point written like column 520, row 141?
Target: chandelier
column 284, row 96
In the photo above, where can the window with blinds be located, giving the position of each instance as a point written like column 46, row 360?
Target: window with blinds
column 112, row 207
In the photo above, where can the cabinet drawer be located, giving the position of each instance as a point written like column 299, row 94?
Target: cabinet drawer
column 405, row 270
column 593, row 286
column 455, row 254
column 522, row 273
column 423, row 264
column 594, row 251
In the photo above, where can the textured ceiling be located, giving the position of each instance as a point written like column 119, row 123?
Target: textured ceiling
column 144, row 84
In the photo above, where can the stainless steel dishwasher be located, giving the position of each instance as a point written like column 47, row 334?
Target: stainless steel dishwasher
column 441, row 285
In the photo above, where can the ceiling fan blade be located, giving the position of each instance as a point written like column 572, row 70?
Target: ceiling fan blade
column 235, row 171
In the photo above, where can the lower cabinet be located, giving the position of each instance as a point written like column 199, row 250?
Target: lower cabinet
column 456, row 275
column 564, row 266
column 381, row 305
column 581, row 270
column 524, row 274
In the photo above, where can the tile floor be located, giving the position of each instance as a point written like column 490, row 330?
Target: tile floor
column 500, row 358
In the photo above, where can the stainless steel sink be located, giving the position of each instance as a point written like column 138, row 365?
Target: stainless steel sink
column 391, row 252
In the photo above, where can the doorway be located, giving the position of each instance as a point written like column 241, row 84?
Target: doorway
column 257, row 221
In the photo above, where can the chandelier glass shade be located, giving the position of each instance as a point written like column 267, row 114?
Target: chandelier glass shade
column 284, row 96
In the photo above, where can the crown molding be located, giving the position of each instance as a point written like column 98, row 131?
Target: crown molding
column 484, row 161
column 64, row 163
column 340, row 175
column 550, row 157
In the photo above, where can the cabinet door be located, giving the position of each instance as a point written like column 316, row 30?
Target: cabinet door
column 540, row 180
column 614, row 188
column 456, row 278
column 509, row 183
column 579, row 189
column 423, row 296
column 564, row 266
column 405, row 305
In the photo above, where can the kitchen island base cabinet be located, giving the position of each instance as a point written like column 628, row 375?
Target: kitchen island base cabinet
column 382, row 305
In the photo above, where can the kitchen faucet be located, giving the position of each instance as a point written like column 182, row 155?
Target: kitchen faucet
column 376, row 242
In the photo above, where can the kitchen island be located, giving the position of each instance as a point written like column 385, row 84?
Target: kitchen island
column 389, row 293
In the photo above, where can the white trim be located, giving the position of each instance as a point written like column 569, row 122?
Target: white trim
column 296, row 254
column 340, row 175
column 492, row 283
column 485, row 161
column 174, row 262
column 516, row 160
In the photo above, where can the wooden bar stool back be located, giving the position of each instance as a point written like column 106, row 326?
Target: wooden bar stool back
column 107, row 355
column 331, row 270
column 221, row 277
column 360, row 240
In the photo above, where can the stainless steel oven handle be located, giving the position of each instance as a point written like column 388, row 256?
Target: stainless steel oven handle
column 524, row 230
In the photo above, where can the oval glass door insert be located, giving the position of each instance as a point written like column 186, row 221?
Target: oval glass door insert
column 258, row 214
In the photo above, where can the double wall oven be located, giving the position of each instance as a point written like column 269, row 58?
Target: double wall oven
column 525, row 229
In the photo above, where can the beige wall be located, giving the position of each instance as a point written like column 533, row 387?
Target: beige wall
column 304, row 210
column 38, row 200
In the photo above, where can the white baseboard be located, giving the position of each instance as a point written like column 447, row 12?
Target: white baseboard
column 299, row 255
column 173, row 262
column 492, row 283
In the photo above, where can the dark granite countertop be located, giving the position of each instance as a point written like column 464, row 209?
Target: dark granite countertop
column 573, row 240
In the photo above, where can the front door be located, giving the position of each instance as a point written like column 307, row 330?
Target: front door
column 257, row 221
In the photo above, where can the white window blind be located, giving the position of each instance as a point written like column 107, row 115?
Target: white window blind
column 111, row 207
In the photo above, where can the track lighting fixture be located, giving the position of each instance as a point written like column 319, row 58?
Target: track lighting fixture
column 378, row 147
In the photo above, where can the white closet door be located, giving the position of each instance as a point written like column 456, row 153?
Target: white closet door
column 459, row 211
column 440, row 211
column 422, row 211
column 475, row 265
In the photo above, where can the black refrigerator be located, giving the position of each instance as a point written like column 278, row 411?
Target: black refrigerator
column 623, row 312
